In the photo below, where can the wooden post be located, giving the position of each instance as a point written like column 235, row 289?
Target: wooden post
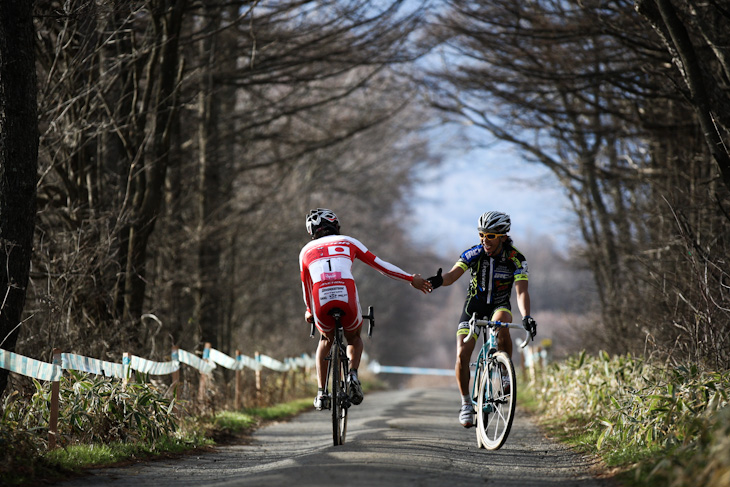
column 127, row 371
column 237, row 397
column 283, row 386
column 533, row 365
column 53, row 419
column 258, row 380
column 202, row 387
column 175, row 357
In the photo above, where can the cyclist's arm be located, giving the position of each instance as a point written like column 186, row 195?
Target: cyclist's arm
column 306, row 286
column 523, row 297
column 453, row 275
column 385, row 268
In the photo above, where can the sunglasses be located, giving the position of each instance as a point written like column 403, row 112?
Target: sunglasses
column 491, row 236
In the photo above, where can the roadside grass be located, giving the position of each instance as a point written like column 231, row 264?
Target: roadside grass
column 243, row 421
column 197, row 433
column 651, row 424
column 102, row 424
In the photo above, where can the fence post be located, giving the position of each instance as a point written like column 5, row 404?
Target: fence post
column 306, row 373
column 203, row 377
column 175, row 357
column 126, row 360
column 53, row 419
column 283, row 386
column 258, row 380
column 237, row 397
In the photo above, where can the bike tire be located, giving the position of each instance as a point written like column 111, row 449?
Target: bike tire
column 477, row 380
column 339, row 395
column 496, row 403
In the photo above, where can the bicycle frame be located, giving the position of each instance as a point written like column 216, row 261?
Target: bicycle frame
column 490, row 343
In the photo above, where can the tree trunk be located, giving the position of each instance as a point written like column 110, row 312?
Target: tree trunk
column 148, row 202
column 18, row 165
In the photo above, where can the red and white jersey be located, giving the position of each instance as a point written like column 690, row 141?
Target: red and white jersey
column 327, row 281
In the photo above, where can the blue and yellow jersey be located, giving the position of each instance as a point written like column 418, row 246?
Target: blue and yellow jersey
column 492, row 277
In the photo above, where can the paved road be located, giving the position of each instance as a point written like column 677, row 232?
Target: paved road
column 395, row 438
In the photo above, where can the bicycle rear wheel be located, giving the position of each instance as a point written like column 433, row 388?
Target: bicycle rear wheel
column 496, row 403
column 340, row 401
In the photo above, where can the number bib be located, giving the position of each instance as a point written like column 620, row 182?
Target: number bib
column 330, row 269
column 332, row 293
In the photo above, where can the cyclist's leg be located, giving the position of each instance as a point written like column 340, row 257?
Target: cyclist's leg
column 323, row 348
column 465, row 350
column 463, row 373
column 352, row 327
column 504, row 340
column 463, row 358
column 354, row 346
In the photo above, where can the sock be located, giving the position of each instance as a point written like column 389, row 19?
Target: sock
column 320, row 391
column 353, row 372
column 465, row 400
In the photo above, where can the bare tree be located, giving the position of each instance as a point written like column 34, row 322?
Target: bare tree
column 18, row 166
column 696, row 36
column 171, row 135
column 586, row 90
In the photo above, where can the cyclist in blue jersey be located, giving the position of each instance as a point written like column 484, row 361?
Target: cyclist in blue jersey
column 496, row 266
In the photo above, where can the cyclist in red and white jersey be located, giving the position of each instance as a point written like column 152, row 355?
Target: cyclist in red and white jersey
column 325, row 264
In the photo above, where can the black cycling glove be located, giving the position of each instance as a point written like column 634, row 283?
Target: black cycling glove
column 530, row 325
column 436, row 280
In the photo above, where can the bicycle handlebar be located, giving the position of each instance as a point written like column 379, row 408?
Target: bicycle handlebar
column 370, row 317
column 473, row 323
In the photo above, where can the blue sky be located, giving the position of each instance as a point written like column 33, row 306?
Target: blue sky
column 448, row 201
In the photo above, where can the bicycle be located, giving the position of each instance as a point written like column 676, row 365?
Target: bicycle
column 494, row 400
column 338, row 370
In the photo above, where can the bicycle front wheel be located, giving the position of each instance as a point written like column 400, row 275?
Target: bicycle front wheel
column 339, row 396
column 496, row 402
column 478, row 373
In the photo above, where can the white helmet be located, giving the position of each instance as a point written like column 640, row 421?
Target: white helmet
column 494, row 221
column 321, row 217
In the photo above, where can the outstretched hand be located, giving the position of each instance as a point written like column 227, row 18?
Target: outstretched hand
column 437, row 280
column 421, row 284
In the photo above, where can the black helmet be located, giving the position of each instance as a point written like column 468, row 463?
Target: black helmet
column 322, row 218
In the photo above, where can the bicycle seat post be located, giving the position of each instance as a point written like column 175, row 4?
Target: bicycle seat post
column 337, row 314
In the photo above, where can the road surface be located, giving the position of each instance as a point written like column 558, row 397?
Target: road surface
column 394, row 438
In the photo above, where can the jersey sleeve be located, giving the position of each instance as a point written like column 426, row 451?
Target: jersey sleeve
column 469, row 257
column 306, row 282
column 521, row 272
column 385, row 268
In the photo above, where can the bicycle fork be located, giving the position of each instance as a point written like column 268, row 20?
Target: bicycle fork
column 485, row 367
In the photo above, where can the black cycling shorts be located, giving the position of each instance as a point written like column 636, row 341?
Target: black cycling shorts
column 483, row 311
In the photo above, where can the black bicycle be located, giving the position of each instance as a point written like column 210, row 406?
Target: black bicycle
column 337, row 371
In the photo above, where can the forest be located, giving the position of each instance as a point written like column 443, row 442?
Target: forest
column 157, row 159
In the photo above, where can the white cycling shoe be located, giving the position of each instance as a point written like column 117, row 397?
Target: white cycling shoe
column 322, row 401
column 466, row 415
